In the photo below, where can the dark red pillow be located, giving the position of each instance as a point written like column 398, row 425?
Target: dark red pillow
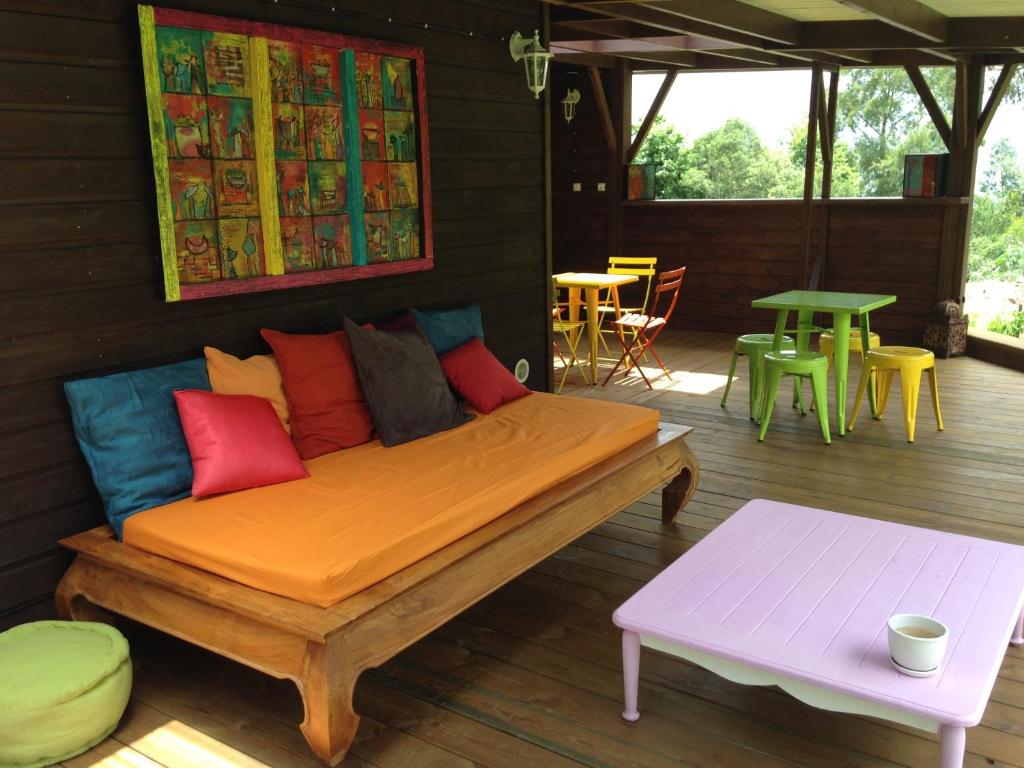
column 327, row 407
column 480, row 377
column 236, row 442
column 400, row 322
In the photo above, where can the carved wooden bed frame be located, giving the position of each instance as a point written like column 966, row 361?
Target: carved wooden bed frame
column 323, row 650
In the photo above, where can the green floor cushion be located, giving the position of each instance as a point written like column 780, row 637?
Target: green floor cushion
column 63, row 687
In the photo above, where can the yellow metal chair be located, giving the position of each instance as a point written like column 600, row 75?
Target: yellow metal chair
column 641, row 266
column 827, row 343
column 571, row 332
column 910, row 362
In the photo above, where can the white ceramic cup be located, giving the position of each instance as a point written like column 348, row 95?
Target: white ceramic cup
column 917, row 642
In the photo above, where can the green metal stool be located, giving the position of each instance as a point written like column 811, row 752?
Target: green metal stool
column 753, row 346
column 801, row 365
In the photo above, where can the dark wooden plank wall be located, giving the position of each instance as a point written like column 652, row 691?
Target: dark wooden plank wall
column 737, row 251
column 578, row 154
column 80, row 287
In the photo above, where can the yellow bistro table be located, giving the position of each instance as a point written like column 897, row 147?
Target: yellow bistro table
column 592, row 283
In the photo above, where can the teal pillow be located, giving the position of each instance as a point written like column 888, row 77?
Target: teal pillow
column 127, row 426
column 450, row 328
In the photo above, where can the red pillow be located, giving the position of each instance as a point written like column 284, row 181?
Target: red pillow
column 328, row 410
column 236, row 442
column 480, row 377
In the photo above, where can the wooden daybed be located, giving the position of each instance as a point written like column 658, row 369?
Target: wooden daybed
column 323, row 650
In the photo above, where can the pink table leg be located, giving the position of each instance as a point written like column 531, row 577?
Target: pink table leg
column 1018, row 633
column 954, row 739
column 631, row 673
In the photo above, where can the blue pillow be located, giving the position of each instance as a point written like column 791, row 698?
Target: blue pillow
column 127, row 426
column 450, row 328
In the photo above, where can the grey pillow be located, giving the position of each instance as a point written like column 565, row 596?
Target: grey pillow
column 403, row 384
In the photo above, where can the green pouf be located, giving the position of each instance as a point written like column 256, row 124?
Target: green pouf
column 63, row 687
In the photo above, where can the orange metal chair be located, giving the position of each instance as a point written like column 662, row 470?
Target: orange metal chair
column 637, row 332
column 643, row 267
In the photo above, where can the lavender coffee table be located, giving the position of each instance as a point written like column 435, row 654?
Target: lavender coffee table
column 799, row 597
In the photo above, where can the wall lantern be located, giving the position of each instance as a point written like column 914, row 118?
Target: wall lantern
column 534, row 58
column 572, row 98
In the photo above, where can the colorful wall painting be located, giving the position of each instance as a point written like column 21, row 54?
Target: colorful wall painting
column 283, row 156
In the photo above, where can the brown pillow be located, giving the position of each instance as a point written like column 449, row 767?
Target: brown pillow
column 403, row 384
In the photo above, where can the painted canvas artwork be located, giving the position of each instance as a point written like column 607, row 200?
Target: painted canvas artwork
column 197, row 255
column 378, row 237
column 368, row 85
column 324, row 133
column 375, row 187
column 396, row 75
column 289, row 132
column 192, row 195
column 402, row 185
column 282, row 156
column 320, row 75
column 231, row 131
column 241, row 248
column 297, row 241
column 400, row 136
column 331, row 240
column 405, row 235
column 293, row 189
column 285, row 64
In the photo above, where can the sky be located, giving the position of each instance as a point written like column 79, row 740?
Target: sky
column 772, row 102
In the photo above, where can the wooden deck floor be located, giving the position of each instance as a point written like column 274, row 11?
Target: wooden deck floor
column 531, row 675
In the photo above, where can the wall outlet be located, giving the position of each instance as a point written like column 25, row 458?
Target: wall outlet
column 577, row 187
column 600, row 186
column 522, row 371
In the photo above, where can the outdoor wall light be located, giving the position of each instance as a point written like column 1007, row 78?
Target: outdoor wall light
column 572, row 98
column 534, row 58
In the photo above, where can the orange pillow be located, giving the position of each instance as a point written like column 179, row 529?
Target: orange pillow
column 257, row 375
column 326, row 403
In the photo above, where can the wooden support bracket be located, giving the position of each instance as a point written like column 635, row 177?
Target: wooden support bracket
column 998, row 91
column 652, row 114
column 607, row 126
column 930, row 104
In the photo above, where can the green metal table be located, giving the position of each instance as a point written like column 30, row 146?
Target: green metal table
column 842, row 307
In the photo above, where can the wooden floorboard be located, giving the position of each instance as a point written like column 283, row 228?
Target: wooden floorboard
column 531, row 675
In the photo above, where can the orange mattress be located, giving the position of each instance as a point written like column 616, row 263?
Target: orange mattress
column 369, row 511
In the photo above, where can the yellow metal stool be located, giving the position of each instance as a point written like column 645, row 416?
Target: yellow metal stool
column 827, row 343
column 911, row 362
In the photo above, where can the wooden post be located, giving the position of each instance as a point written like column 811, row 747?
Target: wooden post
column 812, row 122
column 827, row 128
column 623, row 97
column 549, row 369
column 963, row 162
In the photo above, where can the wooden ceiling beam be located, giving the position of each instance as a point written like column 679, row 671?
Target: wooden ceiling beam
column 963, row 33
column 650, row 16
column 587, row 59
column 735, row 16
column 909, row 15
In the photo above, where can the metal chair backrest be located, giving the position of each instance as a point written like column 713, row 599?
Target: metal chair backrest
column 641, row 266
column 668, row 287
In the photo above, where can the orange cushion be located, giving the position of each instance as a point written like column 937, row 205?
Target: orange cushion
column 257, row 375
column 366, row 513
column 326, row 403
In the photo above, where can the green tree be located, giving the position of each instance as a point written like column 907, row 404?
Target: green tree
column 881, row 111
column 666, row 147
